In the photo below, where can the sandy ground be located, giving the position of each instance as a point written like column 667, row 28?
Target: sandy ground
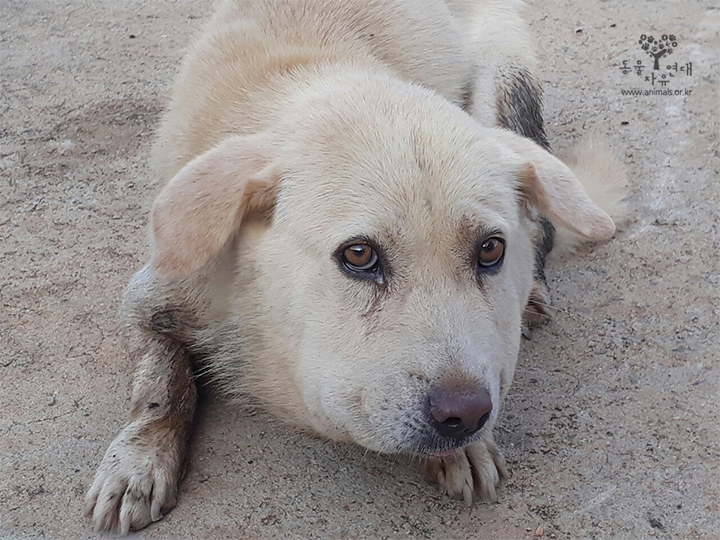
column 612, row 428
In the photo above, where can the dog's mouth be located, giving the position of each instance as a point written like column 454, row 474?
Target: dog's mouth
column 443, row 453
column 446, row 450
column 440, row 447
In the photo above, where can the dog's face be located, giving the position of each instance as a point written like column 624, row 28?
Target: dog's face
column 397, row 262
column 411, row 263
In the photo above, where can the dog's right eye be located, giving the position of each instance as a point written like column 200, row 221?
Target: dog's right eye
column 360, row 258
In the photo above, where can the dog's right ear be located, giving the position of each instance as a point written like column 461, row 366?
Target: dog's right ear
column 202, row 207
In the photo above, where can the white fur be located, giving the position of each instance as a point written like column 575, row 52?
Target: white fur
column 298, row 126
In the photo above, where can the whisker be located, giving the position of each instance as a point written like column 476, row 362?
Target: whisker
column 526, row 310
column 553, row 308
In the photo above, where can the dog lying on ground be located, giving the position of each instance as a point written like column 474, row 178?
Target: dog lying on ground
column 357, row 207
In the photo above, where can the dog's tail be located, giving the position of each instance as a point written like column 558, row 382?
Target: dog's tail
column 603, row 177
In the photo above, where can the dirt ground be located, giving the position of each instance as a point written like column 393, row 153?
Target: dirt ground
column 612, row 427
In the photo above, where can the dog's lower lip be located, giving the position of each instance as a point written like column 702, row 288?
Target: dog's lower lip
column 443, row 453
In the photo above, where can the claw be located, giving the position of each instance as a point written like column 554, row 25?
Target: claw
column 473, row 472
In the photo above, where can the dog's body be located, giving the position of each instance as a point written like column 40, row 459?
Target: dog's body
column 345, row 235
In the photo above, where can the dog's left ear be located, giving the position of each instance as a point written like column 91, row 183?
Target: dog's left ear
column 547, row 183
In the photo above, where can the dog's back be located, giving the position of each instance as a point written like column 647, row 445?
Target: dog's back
column 250, row 52
column 420, row 40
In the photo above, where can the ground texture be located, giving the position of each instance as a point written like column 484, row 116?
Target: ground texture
column 612, row 428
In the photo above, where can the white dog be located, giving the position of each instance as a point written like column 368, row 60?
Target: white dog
column 358, row 203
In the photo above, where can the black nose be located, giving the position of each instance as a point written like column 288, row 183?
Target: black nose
column 458, row 412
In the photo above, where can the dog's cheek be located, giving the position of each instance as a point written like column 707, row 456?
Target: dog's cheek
column 327, row 373
column 508, row 301
column 520, row 261
column 340, row 362
column 384, row 420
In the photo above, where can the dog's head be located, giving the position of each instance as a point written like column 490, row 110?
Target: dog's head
column 394, row 261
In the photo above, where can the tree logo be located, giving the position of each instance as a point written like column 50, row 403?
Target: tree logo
column 657, row 48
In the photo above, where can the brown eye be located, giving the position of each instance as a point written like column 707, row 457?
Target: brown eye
column 360, row 258
column 491, row 252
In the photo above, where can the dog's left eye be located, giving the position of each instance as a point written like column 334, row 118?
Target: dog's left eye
column 491, row 253
column 360, row 258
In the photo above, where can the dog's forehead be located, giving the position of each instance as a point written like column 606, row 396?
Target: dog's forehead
column 413, row 187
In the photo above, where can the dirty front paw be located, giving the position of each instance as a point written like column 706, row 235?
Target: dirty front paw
column 137, row 480
column 471, row 472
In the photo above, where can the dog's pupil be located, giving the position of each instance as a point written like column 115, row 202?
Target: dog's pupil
column 359, row 255
column 491, row 251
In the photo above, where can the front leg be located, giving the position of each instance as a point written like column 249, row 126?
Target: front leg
column 472, row 472
column 137, row 481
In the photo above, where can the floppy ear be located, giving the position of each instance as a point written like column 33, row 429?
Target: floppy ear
column 201, row 208
column 555, row 190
